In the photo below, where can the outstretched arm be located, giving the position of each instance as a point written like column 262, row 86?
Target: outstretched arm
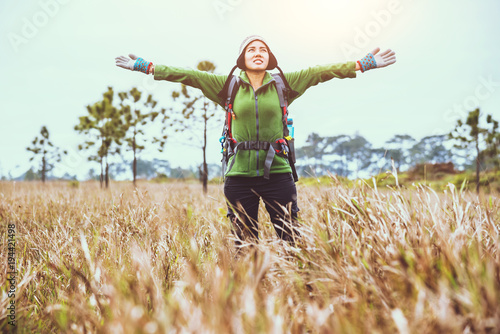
column 300, row 81
column 210, row 84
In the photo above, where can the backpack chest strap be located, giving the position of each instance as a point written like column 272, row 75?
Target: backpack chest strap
column 271, row 148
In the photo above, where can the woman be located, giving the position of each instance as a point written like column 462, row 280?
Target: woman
column 258, row 118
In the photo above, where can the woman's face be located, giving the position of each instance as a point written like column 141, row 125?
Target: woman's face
column 256, row 56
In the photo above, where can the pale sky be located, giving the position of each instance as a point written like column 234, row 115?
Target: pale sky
column 58, row 57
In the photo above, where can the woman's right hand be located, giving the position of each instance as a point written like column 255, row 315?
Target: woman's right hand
column 376, row 60
column 134, row 63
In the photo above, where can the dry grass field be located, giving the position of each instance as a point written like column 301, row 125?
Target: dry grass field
column 160, row 259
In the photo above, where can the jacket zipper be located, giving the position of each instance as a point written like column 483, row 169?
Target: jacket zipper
column 257, row 121
column 257, row 115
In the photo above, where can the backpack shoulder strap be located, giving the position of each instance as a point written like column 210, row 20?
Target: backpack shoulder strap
column 290, row 93
column 225, row 92
column 232, row 89
column 281, row 88
column 227, row 95
column 285, row 92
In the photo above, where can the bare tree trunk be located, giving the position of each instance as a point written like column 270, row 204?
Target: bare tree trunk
column 205, row 167
column 134, row 163
column 357, row 166
column 344, row 164
column 107, row 174
column 101, row 177
column 477, row 164
column 44, row 168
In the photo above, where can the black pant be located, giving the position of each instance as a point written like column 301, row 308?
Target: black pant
column 280, row 198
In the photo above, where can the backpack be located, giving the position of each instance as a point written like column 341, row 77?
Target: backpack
column 283, row 147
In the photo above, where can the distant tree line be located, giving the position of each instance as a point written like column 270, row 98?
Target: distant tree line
column 469, row 147
column 354, row 156
column 350, row 156
column 162, row 169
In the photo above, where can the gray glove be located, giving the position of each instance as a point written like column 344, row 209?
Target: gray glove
column 376, row 60
column 133, row 63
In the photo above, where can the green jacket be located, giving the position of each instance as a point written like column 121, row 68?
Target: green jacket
column 258, row 113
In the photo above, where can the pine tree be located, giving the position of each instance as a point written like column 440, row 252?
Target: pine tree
column 45, row 151
column 492, row 151
column 470, row 133
column 135, row 112
column 103, row 127
column 196, row 115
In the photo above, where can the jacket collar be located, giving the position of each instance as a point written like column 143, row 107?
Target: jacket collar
column 267, row 78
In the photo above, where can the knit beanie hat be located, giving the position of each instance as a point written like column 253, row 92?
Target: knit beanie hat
column 240, row 62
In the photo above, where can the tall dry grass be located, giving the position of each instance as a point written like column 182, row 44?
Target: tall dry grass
column 161, row 259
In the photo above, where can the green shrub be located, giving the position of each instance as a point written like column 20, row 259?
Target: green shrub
column 74, row 184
